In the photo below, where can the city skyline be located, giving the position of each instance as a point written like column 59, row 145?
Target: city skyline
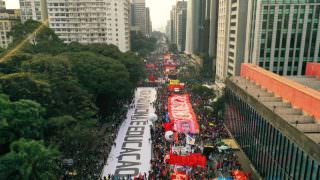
column 157, row 7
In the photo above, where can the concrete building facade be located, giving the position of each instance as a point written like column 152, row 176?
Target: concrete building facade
column 214, row 5
column 96, row 21
column 231, row 38
column 168, row 30
column 275, row 121
column 148, row 23
column 192, row 33
column 222, row 39
column 181, row 25
column 282, row 36
column 237, row 36
column 8, row 18
column 33, row 9
column 138, row 13
column 173, row 20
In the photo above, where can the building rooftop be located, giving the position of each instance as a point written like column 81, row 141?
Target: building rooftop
column 294, row 116
column 310, row 81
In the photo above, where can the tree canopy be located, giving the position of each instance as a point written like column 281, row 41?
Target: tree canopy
column 56, row 94
column 29, row 159
column 142, row 44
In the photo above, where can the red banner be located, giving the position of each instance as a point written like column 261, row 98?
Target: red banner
column 152, row 78
column 167, row 56
column 179, row 176
column 151, row 66
column 167, row 126
column 169, row 68
column 182, row 114
column 172, row 87
column 192, row 160
column 239, row 175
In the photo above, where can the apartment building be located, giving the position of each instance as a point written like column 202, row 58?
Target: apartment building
column 33, row 9
column 95, row 21
column 8, row 18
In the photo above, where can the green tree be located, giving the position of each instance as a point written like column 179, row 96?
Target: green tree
column 105, row 78
column 202, row 91
column 29, row 159
column 67, row 95
column 52, row 68
column 173, row 48
column 141, row 44
column 44, row 41
column 69, row 98
column 20, row 119
column 219, row 106
column 133, row 63
column 14, row 64
column 25, row 86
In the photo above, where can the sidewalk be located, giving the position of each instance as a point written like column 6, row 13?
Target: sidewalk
column 243, row 159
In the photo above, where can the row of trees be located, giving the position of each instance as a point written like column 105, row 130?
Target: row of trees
column 143, row 45
column 52, row 97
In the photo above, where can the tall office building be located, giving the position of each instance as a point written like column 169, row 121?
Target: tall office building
column 173, row 19
column 168, row 30
column 275, row 121
column 214, row 4
column 231, row 37
column 8, row 18
column 181, row 25
column 138, row 16
column 213, row 33
column 33, row 9
column 192, row 30
column 148, row 23
column 2, row 4
column 96, row 21
column 201, row 27
column 193, row 26
column 282, row 36
column 222, row 40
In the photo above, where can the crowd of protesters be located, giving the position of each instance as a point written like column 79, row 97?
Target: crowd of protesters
column 87, row 164
column 219, row 163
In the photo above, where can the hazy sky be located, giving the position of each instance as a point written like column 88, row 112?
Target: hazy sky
column 159, row 9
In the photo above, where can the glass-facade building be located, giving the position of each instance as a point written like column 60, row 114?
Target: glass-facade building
column 273, row 154
column 283, row 35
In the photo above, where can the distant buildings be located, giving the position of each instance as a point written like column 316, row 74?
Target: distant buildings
column 34, row 9
column 8, row 18
column 173, row 20
column 168, row 29
column 181, row 25
column 222, row 40
column 275, row 120
column 176, row 26
column 96, row 21
column 193, row 26
column 231, row 37
column 202, row 27
column 140, row 17
column 148, row 23
column 282, row 36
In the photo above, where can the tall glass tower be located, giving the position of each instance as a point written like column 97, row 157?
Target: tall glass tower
column 283, row 35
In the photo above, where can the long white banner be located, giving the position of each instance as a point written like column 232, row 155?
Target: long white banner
column 132, row 153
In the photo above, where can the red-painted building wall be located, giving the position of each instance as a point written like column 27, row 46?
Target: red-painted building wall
column 313, row 69
column 300, row 96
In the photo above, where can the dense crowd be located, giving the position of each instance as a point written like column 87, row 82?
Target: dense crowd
column 220, row 163
column 88, row 164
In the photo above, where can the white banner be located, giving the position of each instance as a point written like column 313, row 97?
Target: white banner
column 132, row 153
